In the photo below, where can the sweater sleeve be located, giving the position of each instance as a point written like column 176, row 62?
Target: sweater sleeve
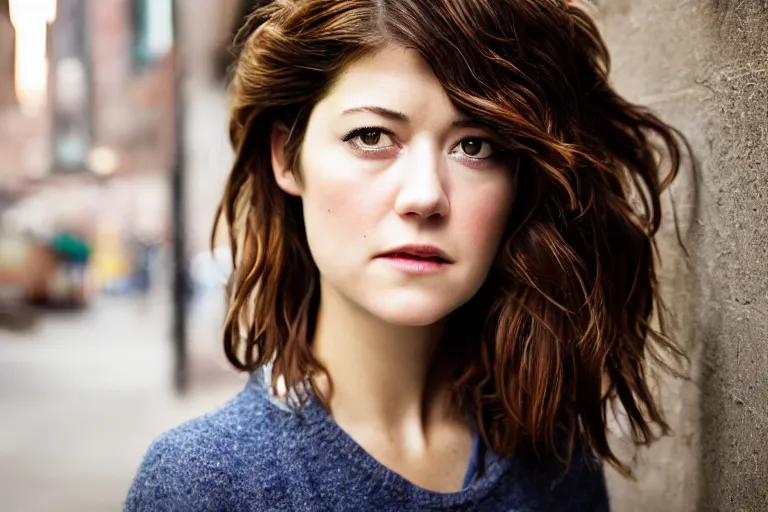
column 177, row 474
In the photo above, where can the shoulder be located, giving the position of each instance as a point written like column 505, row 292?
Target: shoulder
column 206, row 463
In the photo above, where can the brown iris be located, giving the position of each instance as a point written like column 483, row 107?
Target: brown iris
column 472, row 147
column 370, row 138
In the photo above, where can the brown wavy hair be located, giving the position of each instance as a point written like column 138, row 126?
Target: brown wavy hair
column 561, row 329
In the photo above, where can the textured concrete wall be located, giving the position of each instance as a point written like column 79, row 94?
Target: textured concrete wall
column 703, row 66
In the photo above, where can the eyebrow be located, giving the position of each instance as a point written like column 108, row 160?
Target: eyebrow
column 379, row 111
column 463, row 122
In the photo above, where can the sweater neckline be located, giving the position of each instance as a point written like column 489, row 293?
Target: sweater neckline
column 321, row 427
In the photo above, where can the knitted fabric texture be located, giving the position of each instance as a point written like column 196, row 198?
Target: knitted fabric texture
column 252, row 455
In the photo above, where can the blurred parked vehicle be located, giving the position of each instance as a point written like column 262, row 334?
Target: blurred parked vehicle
column 60, row 274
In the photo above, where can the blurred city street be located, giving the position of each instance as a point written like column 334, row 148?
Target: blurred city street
column 107, row 196
column 84, row 393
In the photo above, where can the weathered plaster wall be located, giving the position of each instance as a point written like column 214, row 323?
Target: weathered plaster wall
column 703, row 66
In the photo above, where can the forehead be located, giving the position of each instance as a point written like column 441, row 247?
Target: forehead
column 394, row 77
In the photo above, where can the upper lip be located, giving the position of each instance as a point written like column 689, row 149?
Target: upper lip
column 418, row 250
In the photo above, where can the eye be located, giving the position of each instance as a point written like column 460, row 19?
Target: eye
column 474, row 148
column 369, row 139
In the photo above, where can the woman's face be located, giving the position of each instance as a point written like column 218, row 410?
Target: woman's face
column 404, row 201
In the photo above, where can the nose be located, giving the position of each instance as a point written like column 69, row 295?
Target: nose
column 422, row 192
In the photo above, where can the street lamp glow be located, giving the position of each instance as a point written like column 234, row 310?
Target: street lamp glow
column 30, row 19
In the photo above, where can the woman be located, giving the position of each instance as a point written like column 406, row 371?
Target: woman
column 442, row 222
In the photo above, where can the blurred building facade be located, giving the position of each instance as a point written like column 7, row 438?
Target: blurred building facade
column 22, row 137
column 105, row 122
column 88, row 132
column 95, row 159
column 205, row 29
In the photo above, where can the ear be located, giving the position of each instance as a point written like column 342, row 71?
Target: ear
column 285, row 177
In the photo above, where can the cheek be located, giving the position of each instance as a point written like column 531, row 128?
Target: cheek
column 485, row 216
column 337, row 210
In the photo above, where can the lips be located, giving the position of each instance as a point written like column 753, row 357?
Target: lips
column 415, row 257
column 417, row 252
column 416, row 260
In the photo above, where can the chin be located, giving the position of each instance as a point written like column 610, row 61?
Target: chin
column 413, row 312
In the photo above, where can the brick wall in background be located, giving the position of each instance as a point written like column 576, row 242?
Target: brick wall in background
column 133, row 108
column 703, row 66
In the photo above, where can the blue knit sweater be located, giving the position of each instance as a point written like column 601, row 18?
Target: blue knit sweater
column 254, row 455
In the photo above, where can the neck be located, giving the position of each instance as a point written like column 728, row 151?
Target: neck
column 393, row 376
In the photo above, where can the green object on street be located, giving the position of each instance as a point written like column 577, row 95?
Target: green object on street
column 71, row 247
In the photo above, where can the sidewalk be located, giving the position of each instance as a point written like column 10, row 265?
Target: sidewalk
column 83, row 395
